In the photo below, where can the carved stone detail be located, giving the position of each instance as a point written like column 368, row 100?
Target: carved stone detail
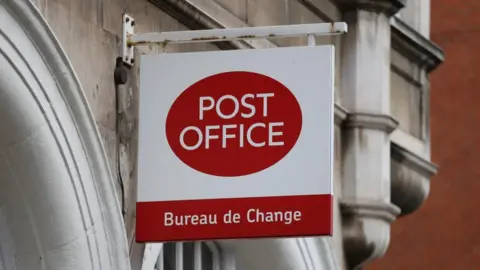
column 366, row 229
column 366, row 207
column 410, row 176
column 380, row 122
column 415, row 46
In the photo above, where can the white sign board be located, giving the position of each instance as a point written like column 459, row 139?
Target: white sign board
column 236, row 144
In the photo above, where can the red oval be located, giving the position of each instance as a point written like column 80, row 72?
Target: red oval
column 227, row 156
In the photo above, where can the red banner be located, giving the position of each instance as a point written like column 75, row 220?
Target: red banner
column 306, row 215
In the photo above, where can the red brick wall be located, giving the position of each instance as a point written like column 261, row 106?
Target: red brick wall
column 445, row 232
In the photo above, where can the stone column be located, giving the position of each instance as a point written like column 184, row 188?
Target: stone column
column 365, row 200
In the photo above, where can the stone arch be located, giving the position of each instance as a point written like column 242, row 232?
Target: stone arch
column 58, row 205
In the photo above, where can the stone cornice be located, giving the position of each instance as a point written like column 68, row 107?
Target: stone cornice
column 381, row 122
column 414, row 162
column 327, row 11
column 186, row 13
column 410, row 179
column 389, row 7
column 415, row 46
column 367, row 209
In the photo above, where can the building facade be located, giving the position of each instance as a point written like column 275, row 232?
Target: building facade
column 448, row 215
column 68, row 135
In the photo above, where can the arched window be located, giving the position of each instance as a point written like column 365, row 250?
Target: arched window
column 189, row 256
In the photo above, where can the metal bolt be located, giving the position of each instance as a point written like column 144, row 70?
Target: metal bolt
column 126, row 58
column 127, row 19
column 132, row 60
column 133, row 23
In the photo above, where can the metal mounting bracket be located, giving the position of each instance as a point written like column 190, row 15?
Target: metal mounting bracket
column 128, row 31
column 130, row 39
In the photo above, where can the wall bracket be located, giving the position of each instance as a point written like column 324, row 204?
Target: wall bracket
column 128, row 31
column 130, row 39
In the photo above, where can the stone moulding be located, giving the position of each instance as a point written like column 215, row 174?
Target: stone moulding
column 366, row 229
column 410, row 176
column 325, row 10
column 366, row 223
column 378, row 210
column 389, row 7
column 415, row 46
column 385, row 123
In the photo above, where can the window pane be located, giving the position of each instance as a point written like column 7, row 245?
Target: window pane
column 207, row 257
column 406, row 104
column 169, row 256
column 406, row 95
